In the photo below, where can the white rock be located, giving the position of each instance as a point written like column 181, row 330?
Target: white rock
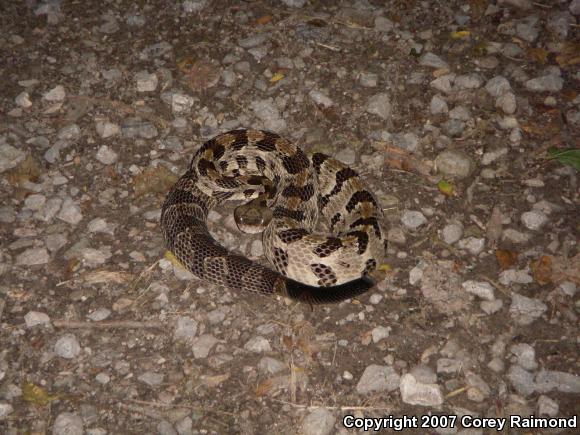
column 23, row 100
column 35, row 318
column 67, row 423
column 55, row 94
column 525, row 310
column 415, row 393
column 481, row 289
column 378, row 378
column 9, row 156
column 380, row 332
column 320, row 98
column 5, row 410
column 380, row 105
column 106, row 155
column 318, row 422
column 534, row 220
column 67, row 346
column 474, row 245
column 107, row 129
column 258, row 344
column 33, row 257
column 547, row 406
column 70, row 212
column 413, row 219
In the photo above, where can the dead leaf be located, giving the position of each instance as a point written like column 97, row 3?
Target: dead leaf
column 506, row 258
column 36, row 395
column 566, row 269
column 477, row 8
column 153, row 180
column 538, row 54
column 214, row 381
column 569, row 55
column 27, row 170
column 542, row 270
column 494, row 228
column 276, row 77
column 200, row 74
column 263, row 20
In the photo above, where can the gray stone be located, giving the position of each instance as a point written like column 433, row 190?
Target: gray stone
column 438, row 105
column 185, row 329
column 271, row 365
column 509, row 276
column 35, row 318
column 320, row 98
column 521, row 380
column 498, row 86
column 468, row 81
column 165, row 428
column 507, row 103
column 474, row 245
column 407, row 141
column 534, row 220
column 413, row 219
column 547, row 406
column 525, row 310
column 526, row 356
column 443, row 83
column 9, row 156
column 67, row 346
column 481, row 289
column 67, row 423
column 106, row 155
column 549, row 380
column 258, row 344
column 151, row 378
column 103, row 378
column 253, row 41
column 383, row 24
column 70, row 212
column 202, row 345
column 23, row 100
column 5, row 410
column 378, row 378
column 460, row 112
column 33, row 257
column 55, row 94
column 574, row 7
column 548, row 83
column 380, row 332
column 452, row 233
column 453, row 127
column 145, row 81
column 449, row 365
column 368, row 80
column 380, row 105
column 318, row 422
column 35, row 202
column 432, row 60
column 453, row 163
column 70, row 132
column 416, row 393
column 490, row 307
column 99, row 314
column 559, row 23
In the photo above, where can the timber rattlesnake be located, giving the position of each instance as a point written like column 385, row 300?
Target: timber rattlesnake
column 310, row 266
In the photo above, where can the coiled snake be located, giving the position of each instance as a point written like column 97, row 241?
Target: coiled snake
column 266, row 168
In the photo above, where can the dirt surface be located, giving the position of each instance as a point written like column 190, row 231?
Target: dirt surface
column 447, row 109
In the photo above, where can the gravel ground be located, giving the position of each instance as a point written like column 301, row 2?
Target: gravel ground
column 103, row 103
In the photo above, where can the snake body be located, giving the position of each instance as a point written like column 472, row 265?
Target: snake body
column 309, row 266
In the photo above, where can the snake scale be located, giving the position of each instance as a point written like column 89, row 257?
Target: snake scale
column 310, row 266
